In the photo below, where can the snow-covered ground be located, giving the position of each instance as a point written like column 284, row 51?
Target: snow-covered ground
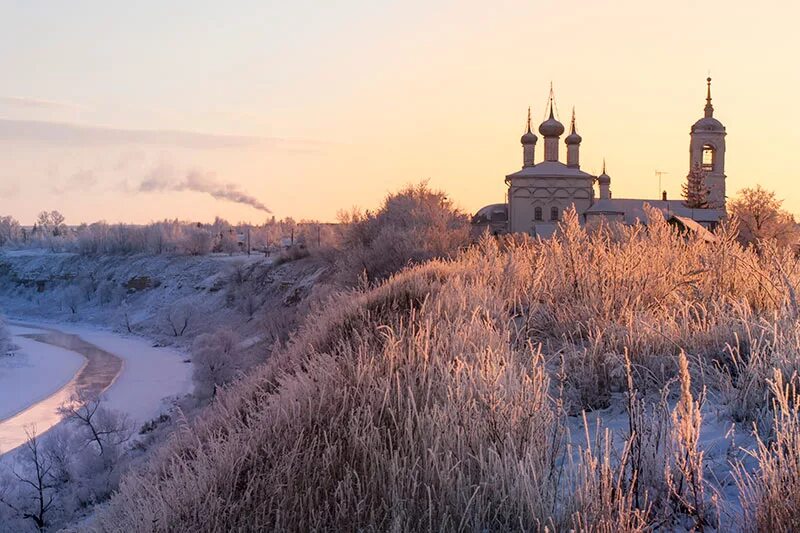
column 35, row 371
column 42, row 377
column 150, row 374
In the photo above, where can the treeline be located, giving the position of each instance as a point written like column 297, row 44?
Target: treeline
column 165, row 237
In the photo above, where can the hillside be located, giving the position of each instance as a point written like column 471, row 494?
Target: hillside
column 170, row 298
column 605, row 382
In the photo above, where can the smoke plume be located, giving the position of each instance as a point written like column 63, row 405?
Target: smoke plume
column 160, row 179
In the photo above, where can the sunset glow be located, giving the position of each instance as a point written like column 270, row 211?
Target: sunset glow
column 309, row 108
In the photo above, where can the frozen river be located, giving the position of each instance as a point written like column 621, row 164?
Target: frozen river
column 55, row 361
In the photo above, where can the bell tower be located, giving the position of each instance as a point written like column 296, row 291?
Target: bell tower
column 707, row 149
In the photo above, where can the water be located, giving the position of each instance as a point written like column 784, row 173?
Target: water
column 96, row 375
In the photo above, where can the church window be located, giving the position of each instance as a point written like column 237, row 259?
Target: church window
column 537, row 213
column 553, row 213
column 708, row 157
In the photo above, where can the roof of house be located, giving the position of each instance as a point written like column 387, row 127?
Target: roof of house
column 633, row 209
column 692, row 226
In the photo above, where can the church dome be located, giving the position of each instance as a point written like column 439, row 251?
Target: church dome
column 551, row 127
column 529, row 138
column 573, row 138
column 708, row 124
column 604, row 179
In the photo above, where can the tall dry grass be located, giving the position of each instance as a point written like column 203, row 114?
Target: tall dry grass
column 440, row 399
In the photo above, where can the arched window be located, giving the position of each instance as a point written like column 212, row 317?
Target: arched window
column 709, row 155
column 537, row 213
column 553, row 213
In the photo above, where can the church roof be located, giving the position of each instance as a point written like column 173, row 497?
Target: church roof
column 633, row 209
column 707, row 124
column 550, row 169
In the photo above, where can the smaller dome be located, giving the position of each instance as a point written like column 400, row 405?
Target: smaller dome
column 604, row 179
column 573, row 138
column 708, row 124
column 529, row 138
column 551, row 127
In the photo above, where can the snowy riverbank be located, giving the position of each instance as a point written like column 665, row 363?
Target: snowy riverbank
column 41, row 377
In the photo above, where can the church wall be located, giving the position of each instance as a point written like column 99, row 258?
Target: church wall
column 562, row 193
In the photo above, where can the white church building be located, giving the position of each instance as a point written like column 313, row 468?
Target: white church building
column 541, row 191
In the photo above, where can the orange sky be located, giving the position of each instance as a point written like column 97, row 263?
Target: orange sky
column 310, row 108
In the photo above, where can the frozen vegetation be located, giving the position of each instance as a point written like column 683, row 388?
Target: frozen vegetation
column 608, row 379
column 624, row 379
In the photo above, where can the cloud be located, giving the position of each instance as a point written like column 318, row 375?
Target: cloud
column 74, row 134
column 162, row 178
column 36, row 103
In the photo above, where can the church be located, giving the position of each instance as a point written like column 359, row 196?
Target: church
column 541, row 191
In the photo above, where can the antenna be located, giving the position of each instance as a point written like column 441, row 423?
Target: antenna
column 660, row 173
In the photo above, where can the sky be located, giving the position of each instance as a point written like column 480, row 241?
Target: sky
column 140, row 111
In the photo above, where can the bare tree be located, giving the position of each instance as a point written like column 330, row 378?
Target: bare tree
column 38, row 484
column 178, row 317
column 100, row 427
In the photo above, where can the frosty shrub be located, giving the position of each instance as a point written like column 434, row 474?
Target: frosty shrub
column 771, row 495
column 72, row 298
column 216, row 361
column 197, row 241
column 411, row 226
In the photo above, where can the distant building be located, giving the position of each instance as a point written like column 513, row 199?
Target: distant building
column 540, row 192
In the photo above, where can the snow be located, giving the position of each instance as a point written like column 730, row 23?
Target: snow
column 150, row 373
column 34, row 372
column 42, row 378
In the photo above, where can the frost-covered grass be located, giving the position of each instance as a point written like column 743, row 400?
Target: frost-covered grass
column 451, row 398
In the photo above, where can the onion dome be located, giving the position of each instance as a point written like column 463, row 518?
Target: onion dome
column 573, row 137
column 603, row 178
column 529, row 137
column 551, row 127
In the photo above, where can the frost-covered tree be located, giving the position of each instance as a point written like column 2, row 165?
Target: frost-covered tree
column 761, row 217
column 217, row 361
column 73, row 466
column 72, row 298
column 32, row 497
column 228, row 241
column 695, row 192
column 43, row 223
column 58, row 227
column 10, row 230
column 198, row 241
column 413, row 225
column 96, row 426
